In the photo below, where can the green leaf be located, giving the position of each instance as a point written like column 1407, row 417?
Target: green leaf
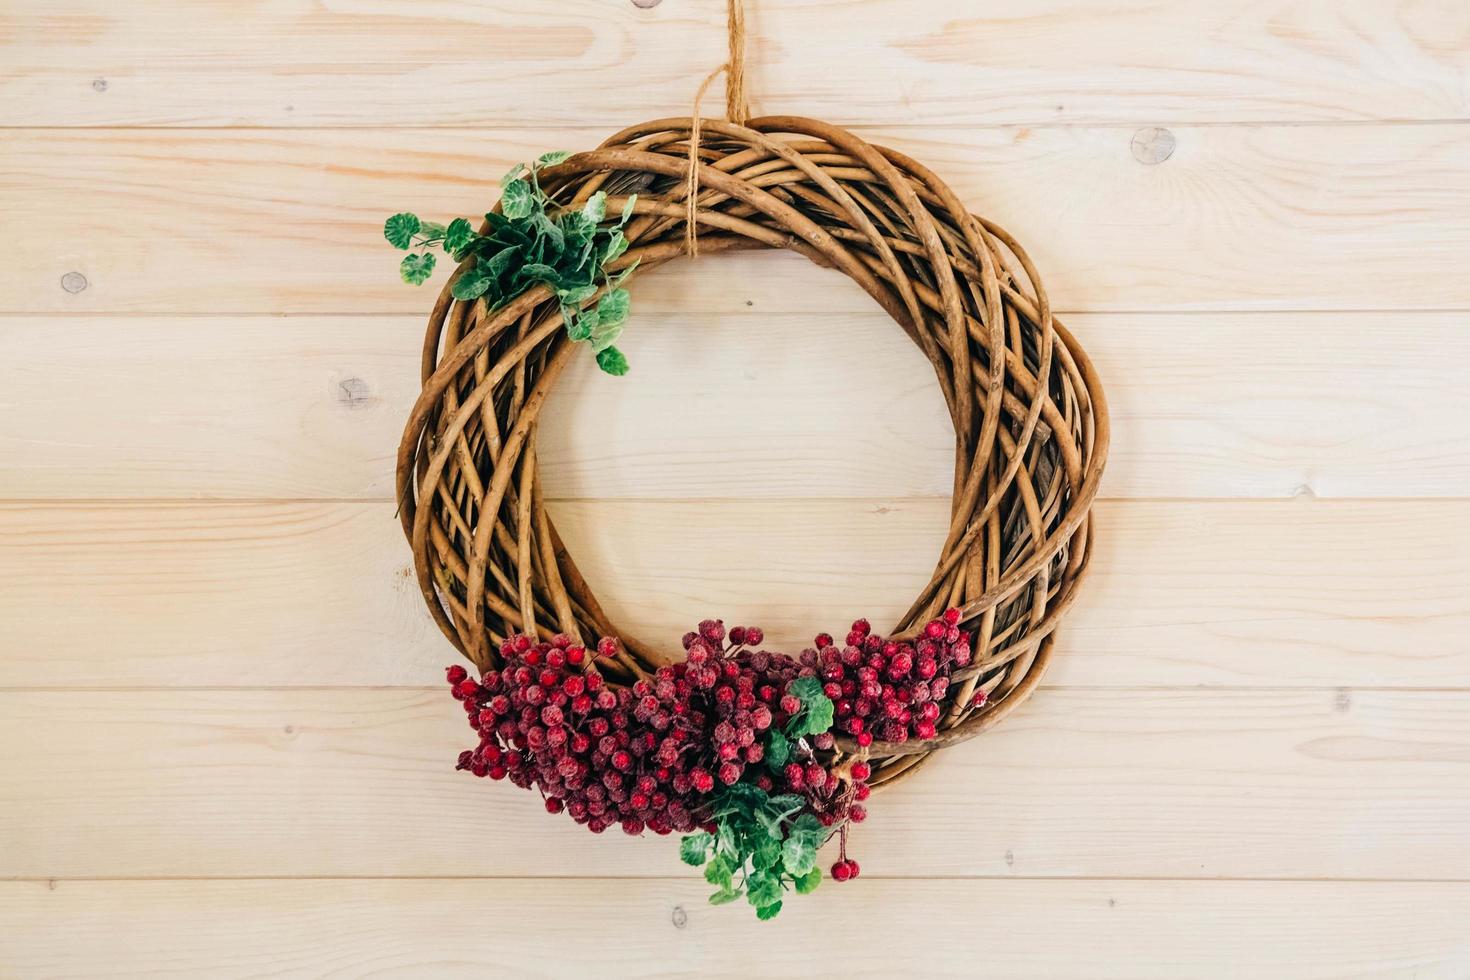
column 615, row 247
column 497, row 264
column 471, row 285
column 719, row 872
column 604, row 335
column 540, row 272
column 613, row 307
column 596, row 207
column 808, row 882
column 805, row 688
column 768, row 854
column 768, row 911
column 416, row 268
column 512, row 175
column 613, row 362
column 786, row 802
column 722, row 897
column 400, row 229
column 694, row 847
column 627, row 210
column 431, row 231
column 549, row 231
column 818, row 716
column 458, row 236
column 778, row 750
column 617, row 280
column 552, row 158
column 580, row 325
column 763, row 888
column 798, row 856
column 516, row 201
column 576, row 295
column 808, row 825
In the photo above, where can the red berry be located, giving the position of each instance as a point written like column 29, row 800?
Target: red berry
column 864, row 739
column 857, row 814
column 795, row 775
column 607, row 647
column 466, row 688
column 934, row 630
column 575, row 655
column 456, row 674
column 853, row 869
column 861, row 791
column 952, row 616
column 754, row 637
column 823, row 640
column 737, row 635
column 861, row 771
column 554, row 805
column 841, row 872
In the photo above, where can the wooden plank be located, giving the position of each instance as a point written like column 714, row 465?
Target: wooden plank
column 276, row 221
column 1094, row 929
column 1203, row 405
column 1078, row 783
column 481, row 62
column 1353, row 594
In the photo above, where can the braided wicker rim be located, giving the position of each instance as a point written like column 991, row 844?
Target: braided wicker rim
column 1031, row 424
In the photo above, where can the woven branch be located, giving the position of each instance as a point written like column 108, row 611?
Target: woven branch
column 1031, row 424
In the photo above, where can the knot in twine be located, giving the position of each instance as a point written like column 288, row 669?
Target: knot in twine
column 737, row 110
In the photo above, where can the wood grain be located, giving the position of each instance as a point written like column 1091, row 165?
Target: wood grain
column 1182, row 593
column 1193, row 784
column 1093, row 929
column 486, row 62
column 1204, row 405
column 289, row 221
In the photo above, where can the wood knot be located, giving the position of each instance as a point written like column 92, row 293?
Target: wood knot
column 1153, row 145
column 646, row 4
column 99, row 85
column 680, row 918
column 354, row 393
column 73, row 282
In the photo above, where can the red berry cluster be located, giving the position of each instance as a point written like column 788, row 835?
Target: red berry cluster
column 645, row 756
column 888, row 689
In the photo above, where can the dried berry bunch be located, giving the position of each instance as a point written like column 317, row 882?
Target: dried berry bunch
column 732, row 747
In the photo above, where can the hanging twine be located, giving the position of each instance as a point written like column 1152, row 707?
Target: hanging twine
column 737, row 110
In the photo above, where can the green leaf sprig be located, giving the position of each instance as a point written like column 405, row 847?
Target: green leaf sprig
column 532, row 240
column 764, row 844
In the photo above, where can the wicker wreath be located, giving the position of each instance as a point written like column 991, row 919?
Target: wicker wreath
column 1031, row 424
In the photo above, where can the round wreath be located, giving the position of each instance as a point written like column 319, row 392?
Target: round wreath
column 758, row 756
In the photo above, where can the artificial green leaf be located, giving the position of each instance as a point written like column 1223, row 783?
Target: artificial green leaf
column 778, row 750
column 496, row 265
column 512, row 175
column 471, row 285
column 580, row 325
column 400, row 229
column 693, row 847
column 596, row 207
column 808, row 882
column 540, row 272
column 805, row 689
column 768, row 911
column 431, row 231
column 786, row 803
column 552, row 158
column 768, row 854
column 415, row 268
column 818, row 716
column 807, row 823
column 516, row 201
column 722, row 897
column 763, row 888
column 798, row 856
column 576, row 294
column 616, row 246
column 719, row 872
column 613, row 307
column 617, row 279
column 628, row 209
column 604, row 335
column 458, row 236
column 613, row 362
column 725, row 839
column 549, row 231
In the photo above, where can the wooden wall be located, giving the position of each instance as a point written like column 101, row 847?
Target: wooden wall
column 226, row 748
